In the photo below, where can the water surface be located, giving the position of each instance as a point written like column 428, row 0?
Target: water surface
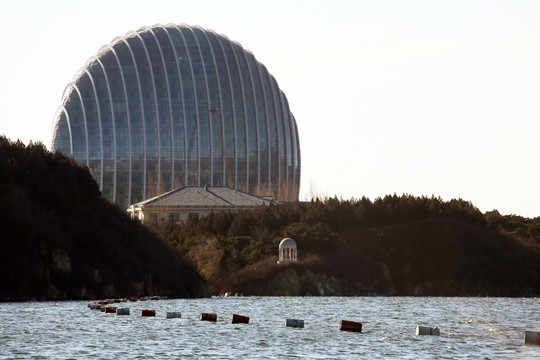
column 471, row 328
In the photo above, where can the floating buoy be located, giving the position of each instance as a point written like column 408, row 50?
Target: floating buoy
column 116, row 301
column 122, row 311
column 427, row 330
column 143, row 298
column 148, row 313
column 173, row 314
column 296, row 323
column 353, row 326
column 98, row 307
column 93, row 306
column 110, row 310
column 208, row 317
column 133, row 299
column 103, row 307
column 154, row 298
column 240, row 319
column 532, row 337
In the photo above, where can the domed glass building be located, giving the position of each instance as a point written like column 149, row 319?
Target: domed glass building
column 178, row 105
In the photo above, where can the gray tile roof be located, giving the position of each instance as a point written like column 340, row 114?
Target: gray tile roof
column 206, row 196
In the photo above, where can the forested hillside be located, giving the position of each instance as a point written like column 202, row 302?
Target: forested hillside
column 59, row 239
column 396, row 245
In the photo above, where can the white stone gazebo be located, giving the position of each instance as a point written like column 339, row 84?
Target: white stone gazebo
column 288, row 253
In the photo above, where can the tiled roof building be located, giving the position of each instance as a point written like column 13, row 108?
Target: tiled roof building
column 193, row 201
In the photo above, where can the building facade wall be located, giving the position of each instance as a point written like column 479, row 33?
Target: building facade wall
column 168, row 106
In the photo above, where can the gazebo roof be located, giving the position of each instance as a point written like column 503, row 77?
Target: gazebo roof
column 287, row 243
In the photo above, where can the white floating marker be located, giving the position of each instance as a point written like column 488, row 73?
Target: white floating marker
column 122, row 311
column 173, row 314
column 532, row 337
column 296, row 323
column 427, row 330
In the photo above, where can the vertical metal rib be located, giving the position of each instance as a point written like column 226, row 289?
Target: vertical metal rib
column 205, row 76
column 169, row 102
column 222, row 131
column 183, row 104
column 128, row 118
column 156, row 106
column 113, row 120
column 245, row 110
column 257, row 143
column 286, row 132
column 292, row 139
column 196, row 106
column 267, row 121
column 276, row 120
column 100, row 127
column 62, row 109
column 298, row 157
column 141, row 101
column 233, row 110
column 85, row 123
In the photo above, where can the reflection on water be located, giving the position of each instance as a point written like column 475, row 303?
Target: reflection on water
column 470, row 328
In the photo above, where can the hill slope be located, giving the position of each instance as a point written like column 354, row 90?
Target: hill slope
column 59, row 239
column 392, row 246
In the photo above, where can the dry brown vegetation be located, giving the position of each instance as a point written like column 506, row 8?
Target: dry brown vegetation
column 396, row 245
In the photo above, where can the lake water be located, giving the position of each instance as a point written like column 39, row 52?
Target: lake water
column 471, row 328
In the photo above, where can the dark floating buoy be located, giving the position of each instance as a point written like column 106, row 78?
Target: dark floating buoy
column 347, row 325
column 240, row 319
column 148, row 313
column 110, row 310
column 532, row 337
column 154, row 298
column 208, row 317
column 122, row 311
column 296, row 323
column 173, row 314
column 427, row 330
column 133, row 299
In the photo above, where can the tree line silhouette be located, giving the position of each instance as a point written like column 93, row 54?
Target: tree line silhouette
column 60, row 239
column 403, row 245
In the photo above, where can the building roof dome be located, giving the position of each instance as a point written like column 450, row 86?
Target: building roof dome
column 177, row 105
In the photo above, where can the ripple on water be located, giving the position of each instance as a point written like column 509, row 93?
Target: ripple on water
column 470, row 327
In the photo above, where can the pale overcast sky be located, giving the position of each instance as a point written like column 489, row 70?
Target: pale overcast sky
column 419, row 97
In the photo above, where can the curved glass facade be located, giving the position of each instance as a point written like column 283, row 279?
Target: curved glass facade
column 168, row 106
